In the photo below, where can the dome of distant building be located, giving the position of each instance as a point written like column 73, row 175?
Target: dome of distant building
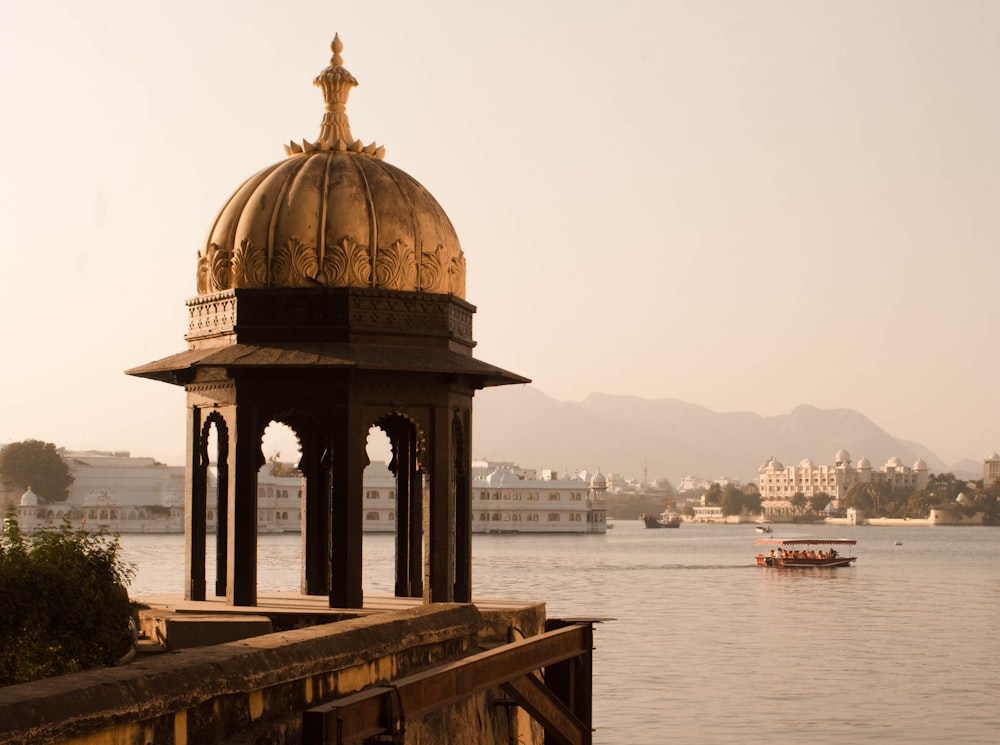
column 501, row 476
column 332, row 214
column 864, row 463
column 599, row 481
column 29, row 499
column 894, row 462
column 806, row 463
column 994, row 456
column 842, row 456
column 920, row 465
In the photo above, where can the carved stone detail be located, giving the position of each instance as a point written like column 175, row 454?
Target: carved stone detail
column 433, row 273
column 294, row 265
column 326, row 314
column 211, row 315
column 249, row 265
column 214, row 270
column 346, row 264
column 396, row 267
column 456, row 275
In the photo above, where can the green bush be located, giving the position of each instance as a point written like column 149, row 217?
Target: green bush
column 64, row 602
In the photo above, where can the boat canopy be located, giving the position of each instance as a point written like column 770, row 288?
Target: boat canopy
column 806, row 542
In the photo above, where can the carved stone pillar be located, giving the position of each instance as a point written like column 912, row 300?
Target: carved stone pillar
column 316, row 509
column 442, row 509
column 348, row 437
column 244, row 441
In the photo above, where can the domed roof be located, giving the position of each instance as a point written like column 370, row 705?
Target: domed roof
column 599, row 479
column 29, row 499
column 332, row 214
column 806, row 463
column 864, row 463
column 920, row 465
column 502, row 477
column 842, row 456
column 894, row 462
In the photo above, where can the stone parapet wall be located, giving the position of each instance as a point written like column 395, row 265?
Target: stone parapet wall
column 255, row 690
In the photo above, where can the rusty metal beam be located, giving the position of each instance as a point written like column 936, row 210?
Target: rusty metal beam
column 351, row 719
column 545, row 708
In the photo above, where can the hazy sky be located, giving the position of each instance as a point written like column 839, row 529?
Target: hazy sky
column 744, row 205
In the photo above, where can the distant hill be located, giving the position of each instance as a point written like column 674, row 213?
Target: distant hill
column 670, row 438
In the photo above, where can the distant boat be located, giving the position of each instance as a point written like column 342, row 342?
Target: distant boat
column 665, row 520
column 764, row 528
column 799, row 552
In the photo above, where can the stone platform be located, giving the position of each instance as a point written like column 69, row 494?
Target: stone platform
column 168, row 622
column 255, row 689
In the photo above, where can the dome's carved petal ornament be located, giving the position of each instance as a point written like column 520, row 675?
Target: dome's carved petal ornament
column 396, row 268
column 431, row 271
column 250, row 266
column 333, row 214
column 294, row 265
column 214, row 267
column 456, row 275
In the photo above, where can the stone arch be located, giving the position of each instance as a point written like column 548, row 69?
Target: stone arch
column 396, row 422
column 196, row 498
column 408, row 443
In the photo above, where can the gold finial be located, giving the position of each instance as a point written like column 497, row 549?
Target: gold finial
column 336, row 83
column 335, row 131
column 336, row 46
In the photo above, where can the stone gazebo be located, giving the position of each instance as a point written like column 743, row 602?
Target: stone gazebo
column 331, row 298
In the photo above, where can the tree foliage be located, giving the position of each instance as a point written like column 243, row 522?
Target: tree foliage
column 942, row 492
column 819, row 500
column 714, row 494
column 663, row 485
column 867, row 496
column 734, row 500
column 65, row 602
column 36, row 464
column 629, row 506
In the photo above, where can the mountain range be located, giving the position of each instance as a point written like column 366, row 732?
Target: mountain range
column 656, row 438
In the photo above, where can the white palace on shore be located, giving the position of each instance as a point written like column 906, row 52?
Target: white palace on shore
column 115, row 492
column 777, row 483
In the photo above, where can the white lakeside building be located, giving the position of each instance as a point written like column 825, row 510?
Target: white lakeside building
column 121, row 494
column 777, row 484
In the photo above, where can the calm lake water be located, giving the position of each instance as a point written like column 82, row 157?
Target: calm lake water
column 903, row 647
